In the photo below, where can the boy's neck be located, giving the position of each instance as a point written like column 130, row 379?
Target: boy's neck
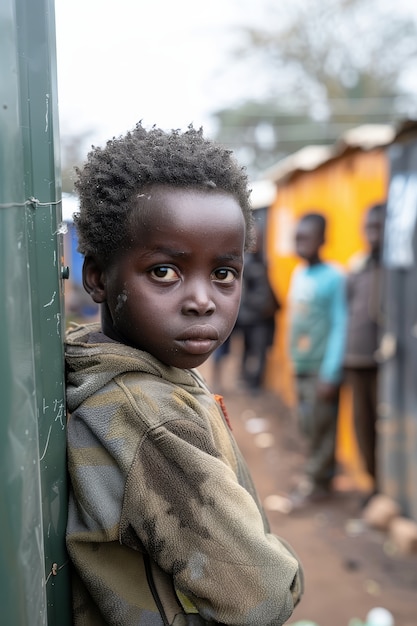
column 314, row 261
column 375, row 254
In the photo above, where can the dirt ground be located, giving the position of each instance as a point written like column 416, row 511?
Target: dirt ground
column 349, row 568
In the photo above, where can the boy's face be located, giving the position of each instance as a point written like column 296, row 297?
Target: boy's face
column 175, row 292
column 308, row 240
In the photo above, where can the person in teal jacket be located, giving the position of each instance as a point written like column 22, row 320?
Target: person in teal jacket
column 318, row 322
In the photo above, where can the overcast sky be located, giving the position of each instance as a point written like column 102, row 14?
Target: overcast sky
column 167, row 62
column 157, row 60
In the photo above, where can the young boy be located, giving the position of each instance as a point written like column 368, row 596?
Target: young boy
column 317, row 338
column 164, row 525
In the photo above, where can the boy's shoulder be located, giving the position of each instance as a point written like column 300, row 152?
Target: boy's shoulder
column 334, row 271
column 331, row 269
column 334, row 267
column 357, row 262
column 82, row 334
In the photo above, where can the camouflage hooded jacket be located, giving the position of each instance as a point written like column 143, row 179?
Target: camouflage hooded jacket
column 164, row 524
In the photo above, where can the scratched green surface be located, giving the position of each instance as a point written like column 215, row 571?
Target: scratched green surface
column 34, row 591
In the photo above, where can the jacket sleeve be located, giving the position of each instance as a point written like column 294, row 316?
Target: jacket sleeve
column 184, row 502
column 331, row 367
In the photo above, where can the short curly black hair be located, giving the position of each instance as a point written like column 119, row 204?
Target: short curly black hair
column 112, row 176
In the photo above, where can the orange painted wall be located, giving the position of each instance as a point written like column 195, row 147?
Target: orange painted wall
column 342, row 190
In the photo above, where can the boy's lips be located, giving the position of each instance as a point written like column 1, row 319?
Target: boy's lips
column 199, row 332
column 199, row 339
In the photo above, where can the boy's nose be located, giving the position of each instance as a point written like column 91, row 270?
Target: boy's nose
column 198, row 301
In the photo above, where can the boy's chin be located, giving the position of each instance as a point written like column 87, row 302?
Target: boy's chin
column 187, row 363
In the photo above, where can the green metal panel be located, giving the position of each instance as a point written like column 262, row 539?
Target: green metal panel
column 33, row 562
column 21, row 554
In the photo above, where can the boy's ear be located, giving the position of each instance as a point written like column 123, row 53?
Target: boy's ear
column 93, row 280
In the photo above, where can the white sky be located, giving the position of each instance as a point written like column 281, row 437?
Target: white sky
column 167, row 62
column 161, row 61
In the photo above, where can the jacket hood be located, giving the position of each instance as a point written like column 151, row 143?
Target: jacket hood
column 93, row 360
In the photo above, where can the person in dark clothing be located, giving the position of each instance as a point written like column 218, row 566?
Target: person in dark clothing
column 256, row 318
column 364, row 303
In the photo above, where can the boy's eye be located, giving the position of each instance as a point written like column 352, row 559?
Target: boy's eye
column 164, row 273
column 224, row 274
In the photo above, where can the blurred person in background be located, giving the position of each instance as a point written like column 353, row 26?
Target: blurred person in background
column 318, row 317
column 256, row 318
column 364, row 291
